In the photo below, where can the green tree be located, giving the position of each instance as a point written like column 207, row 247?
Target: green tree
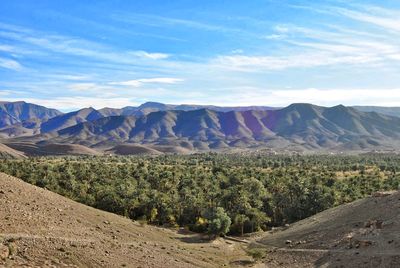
column 218, row 221
column 239, row 221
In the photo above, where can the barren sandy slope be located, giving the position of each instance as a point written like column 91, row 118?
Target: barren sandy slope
column 6, row 151
column 365, row 233
column 32, row 149
column 40, row 228
column 132, row 149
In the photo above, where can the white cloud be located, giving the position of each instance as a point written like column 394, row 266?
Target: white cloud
column 238, row 96
column 329, row 97
column 237, row 51
column 248, row 96
column 384, row 21
column 275, row 37
column 74, row 103
column 10, row 64
column 147, row 55
column 140, row 82
column 276, row 63
column 5, row 93
column 82, row 86
column 281, row 29
column 164, row 22
column 74, row 46
column 70, row 77
column 7, row 48
column 326, row 45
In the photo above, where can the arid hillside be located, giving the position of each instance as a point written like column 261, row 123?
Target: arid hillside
column 365, row 233
column 31, row 149
column 6, row 151
column 40, row 228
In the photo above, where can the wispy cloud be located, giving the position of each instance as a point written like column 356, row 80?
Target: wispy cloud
column 325, row 45
column 82, row 87
column 239, row 96
column 69, row 77
column 353, row 96
column 10, row 64
column 60, row 44
column 140, row 82
column 165, row 21
column 277, row 63
column 7, row 93
column 78, row 102
column 147, row 55
column 7, row 48
column 107, row 27
column 247, row 96
column 386, row 19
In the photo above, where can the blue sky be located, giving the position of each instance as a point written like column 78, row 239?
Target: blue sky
column 74, row 54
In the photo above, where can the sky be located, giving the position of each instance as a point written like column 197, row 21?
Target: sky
column 81, row 53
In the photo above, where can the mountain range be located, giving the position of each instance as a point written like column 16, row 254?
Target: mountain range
column 159, row 128
column 18, row 112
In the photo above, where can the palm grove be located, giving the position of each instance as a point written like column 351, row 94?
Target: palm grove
column 214, row 193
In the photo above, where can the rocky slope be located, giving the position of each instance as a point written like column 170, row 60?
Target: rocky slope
column 365, row 233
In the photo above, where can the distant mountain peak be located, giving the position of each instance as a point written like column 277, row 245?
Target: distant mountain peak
column 151, row 104
column 19, row 111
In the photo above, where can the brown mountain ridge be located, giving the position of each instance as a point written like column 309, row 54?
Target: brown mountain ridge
column 300, row 127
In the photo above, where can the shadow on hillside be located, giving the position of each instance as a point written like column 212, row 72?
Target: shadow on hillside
column 242, row 263
column 195, row 239
column 356, row 259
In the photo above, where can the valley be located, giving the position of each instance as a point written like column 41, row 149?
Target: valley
column 202, row 210
column 212, row 134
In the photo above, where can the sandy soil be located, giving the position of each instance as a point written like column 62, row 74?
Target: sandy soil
column 365, row 233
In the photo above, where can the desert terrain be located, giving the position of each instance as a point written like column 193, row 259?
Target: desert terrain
column 364, row 233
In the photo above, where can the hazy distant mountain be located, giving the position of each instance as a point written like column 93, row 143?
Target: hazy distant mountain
column 393, row 111
column 7, row 152
column 301, row 125
column 22, row 119
column 20, row 129
column 150, row 107
column 70, row 119
column 16, row 112
column 183, row 128
column 336, row 127
column 110, row 112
